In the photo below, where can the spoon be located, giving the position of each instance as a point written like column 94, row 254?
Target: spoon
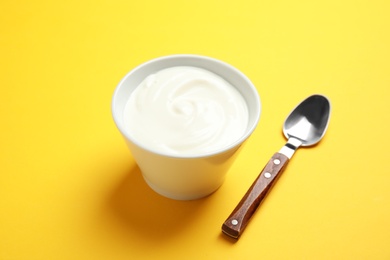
column 305, row 126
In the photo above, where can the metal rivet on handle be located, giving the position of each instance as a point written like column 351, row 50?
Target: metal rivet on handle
column 277, row 161
column 267, row 175
column 234, row 222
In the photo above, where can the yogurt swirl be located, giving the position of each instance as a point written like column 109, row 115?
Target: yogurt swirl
column 185, row 111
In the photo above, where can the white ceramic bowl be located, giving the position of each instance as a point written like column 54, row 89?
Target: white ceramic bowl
column 184, row 177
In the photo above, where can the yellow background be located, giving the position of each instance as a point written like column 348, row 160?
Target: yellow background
column 69, row 188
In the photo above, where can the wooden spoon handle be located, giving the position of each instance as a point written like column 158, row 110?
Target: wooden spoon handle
column 239, row 218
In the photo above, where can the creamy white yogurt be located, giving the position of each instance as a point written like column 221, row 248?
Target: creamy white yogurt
column 185, row 111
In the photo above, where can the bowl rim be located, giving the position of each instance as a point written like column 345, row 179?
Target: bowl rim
column 182, row 57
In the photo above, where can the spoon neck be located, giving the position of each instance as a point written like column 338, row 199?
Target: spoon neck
column 290, row 147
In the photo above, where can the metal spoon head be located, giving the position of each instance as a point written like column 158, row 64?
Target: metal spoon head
column 309, row 120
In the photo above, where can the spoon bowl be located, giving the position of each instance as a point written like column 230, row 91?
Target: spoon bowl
column 308, row 121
